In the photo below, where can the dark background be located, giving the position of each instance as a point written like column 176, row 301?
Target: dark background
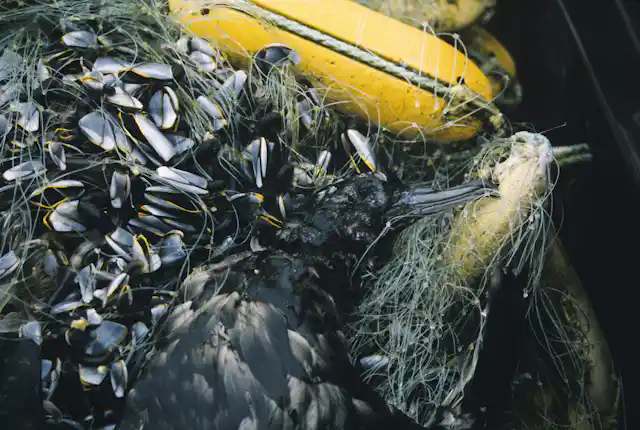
column 579, row 64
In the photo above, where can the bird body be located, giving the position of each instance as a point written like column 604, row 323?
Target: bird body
column 259, row 343
column 265, row 352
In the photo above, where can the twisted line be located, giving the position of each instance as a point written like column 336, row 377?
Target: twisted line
column 373, row 60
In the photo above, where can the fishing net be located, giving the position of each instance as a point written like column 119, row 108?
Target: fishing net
column 80, row 164
column 425, row 315
column 435, row 294
column 85, row 196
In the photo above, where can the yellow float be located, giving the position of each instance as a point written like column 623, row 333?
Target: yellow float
column 396, row 76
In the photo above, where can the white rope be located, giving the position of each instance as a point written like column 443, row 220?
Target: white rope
column 469, row 97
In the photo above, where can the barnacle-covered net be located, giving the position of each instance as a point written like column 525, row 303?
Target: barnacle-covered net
column 126, row 165
column 46, row 87
column 45, row 90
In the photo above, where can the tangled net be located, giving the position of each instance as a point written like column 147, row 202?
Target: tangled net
column 423, row 316
column 427, row 316
column 98, row 231
column 422, row 325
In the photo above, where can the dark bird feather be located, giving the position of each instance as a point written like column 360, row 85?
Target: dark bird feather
column 261, row 346
column 264, row 352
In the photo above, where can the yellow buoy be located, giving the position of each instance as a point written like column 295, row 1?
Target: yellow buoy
column 496, row 62
column 368, row 64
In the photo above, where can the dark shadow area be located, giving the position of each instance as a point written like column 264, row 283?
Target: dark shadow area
column 579, row 63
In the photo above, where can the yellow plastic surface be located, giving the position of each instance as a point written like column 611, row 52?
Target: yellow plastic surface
column 355, row 87
column 489, row 44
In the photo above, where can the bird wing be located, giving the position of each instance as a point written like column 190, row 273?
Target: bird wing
column 263, row 353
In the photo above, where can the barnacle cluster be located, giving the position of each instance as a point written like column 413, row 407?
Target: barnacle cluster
column 132, row 152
